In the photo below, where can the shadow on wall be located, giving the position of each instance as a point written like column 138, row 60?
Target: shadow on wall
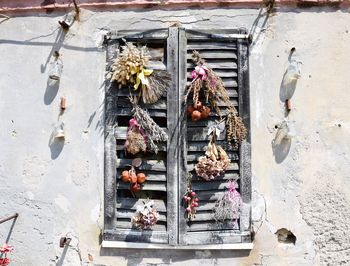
column 51, row 90
column 136, row 256
column 57, row 140
column 14, row 219
column 281, row 150
column 282, row 143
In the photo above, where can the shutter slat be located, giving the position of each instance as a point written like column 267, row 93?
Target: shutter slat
column 217, row 183
column 210, row 225
column 132, row 203
column 132, row 235
column 217, row 65
column 199, row 134
column 120, row 146
column 228, row 84
column 232, row 166
column 209, row 46
column 128, row 214
column 194, row 156
column 210, row 195
column 152, row 112
column 149, row 185
column 229, row 175
column 125, row 103
column 126, row 224
column 146, row 164
column 214, row 54
column 155, row 176
column 120, row 132
column 200, row 146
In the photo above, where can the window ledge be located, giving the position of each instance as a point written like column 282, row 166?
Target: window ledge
column 121, row 244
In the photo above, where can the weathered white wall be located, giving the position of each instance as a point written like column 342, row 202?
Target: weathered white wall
column 57, row 191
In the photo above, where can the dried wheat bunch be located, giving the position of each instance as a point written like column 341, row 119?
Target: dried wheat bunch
column 156, row 86
column 235, row 129
column 129, row 62
column 214, row 163
column 153, row 132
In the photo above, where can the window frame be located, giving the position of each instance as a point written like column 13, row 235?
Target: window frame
column 176, row 46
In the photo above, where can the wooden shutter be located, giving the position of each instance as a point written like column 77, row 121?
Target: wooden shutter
column 160, row 168
column 227, row 53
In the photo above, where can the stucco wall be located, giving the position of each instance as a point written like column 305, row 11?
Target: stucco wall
column 57, row 191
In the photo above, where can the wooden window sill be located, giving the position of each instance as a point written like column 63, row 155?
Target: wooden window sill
column 121, row 244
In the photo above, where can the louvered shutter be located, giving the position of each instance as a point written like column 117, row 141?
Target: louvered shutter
column 160, row 168
column 227, row 54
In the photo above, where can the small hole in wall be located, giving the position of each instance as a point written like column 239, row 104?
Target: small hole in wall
column 285, row 236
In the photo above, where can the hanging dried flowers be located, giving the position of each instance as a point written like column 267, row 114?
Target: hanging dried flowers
column 5, row 250
column 146, row 216
column 216, row 161
column 235, row 130
column 156, row 86
column 152, row 131
column 229, row 206
column 206, row 80
column 135, row 139
column 130, row 63
column 130, row 67
column 191, row 200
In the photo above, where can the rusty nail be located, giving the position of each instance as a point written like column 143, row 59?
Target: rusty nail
column 63, row 103
column 64, row 241
column 288, row 105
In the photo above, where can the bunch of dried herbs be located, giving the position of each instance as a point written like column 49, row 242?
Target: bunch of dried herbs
column 156, row 86
column 207, row 82
column 152, row 130
column 229, row 206
column 235, row 130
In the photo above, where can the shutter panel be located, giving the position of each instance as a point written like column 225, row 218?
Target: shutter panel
column 228, row 56
column 120, row 205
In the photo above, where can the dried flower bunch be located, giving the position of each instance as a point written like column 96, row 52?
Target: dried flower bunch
column 146, row 216
column 229, row 206
column 235, row 130
column 214, row 163
column 191, row 199
column 130, row 68
column 152, row 131
column 206, row 81
column 129, row 62
column 155, row 87
column 135, row 139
